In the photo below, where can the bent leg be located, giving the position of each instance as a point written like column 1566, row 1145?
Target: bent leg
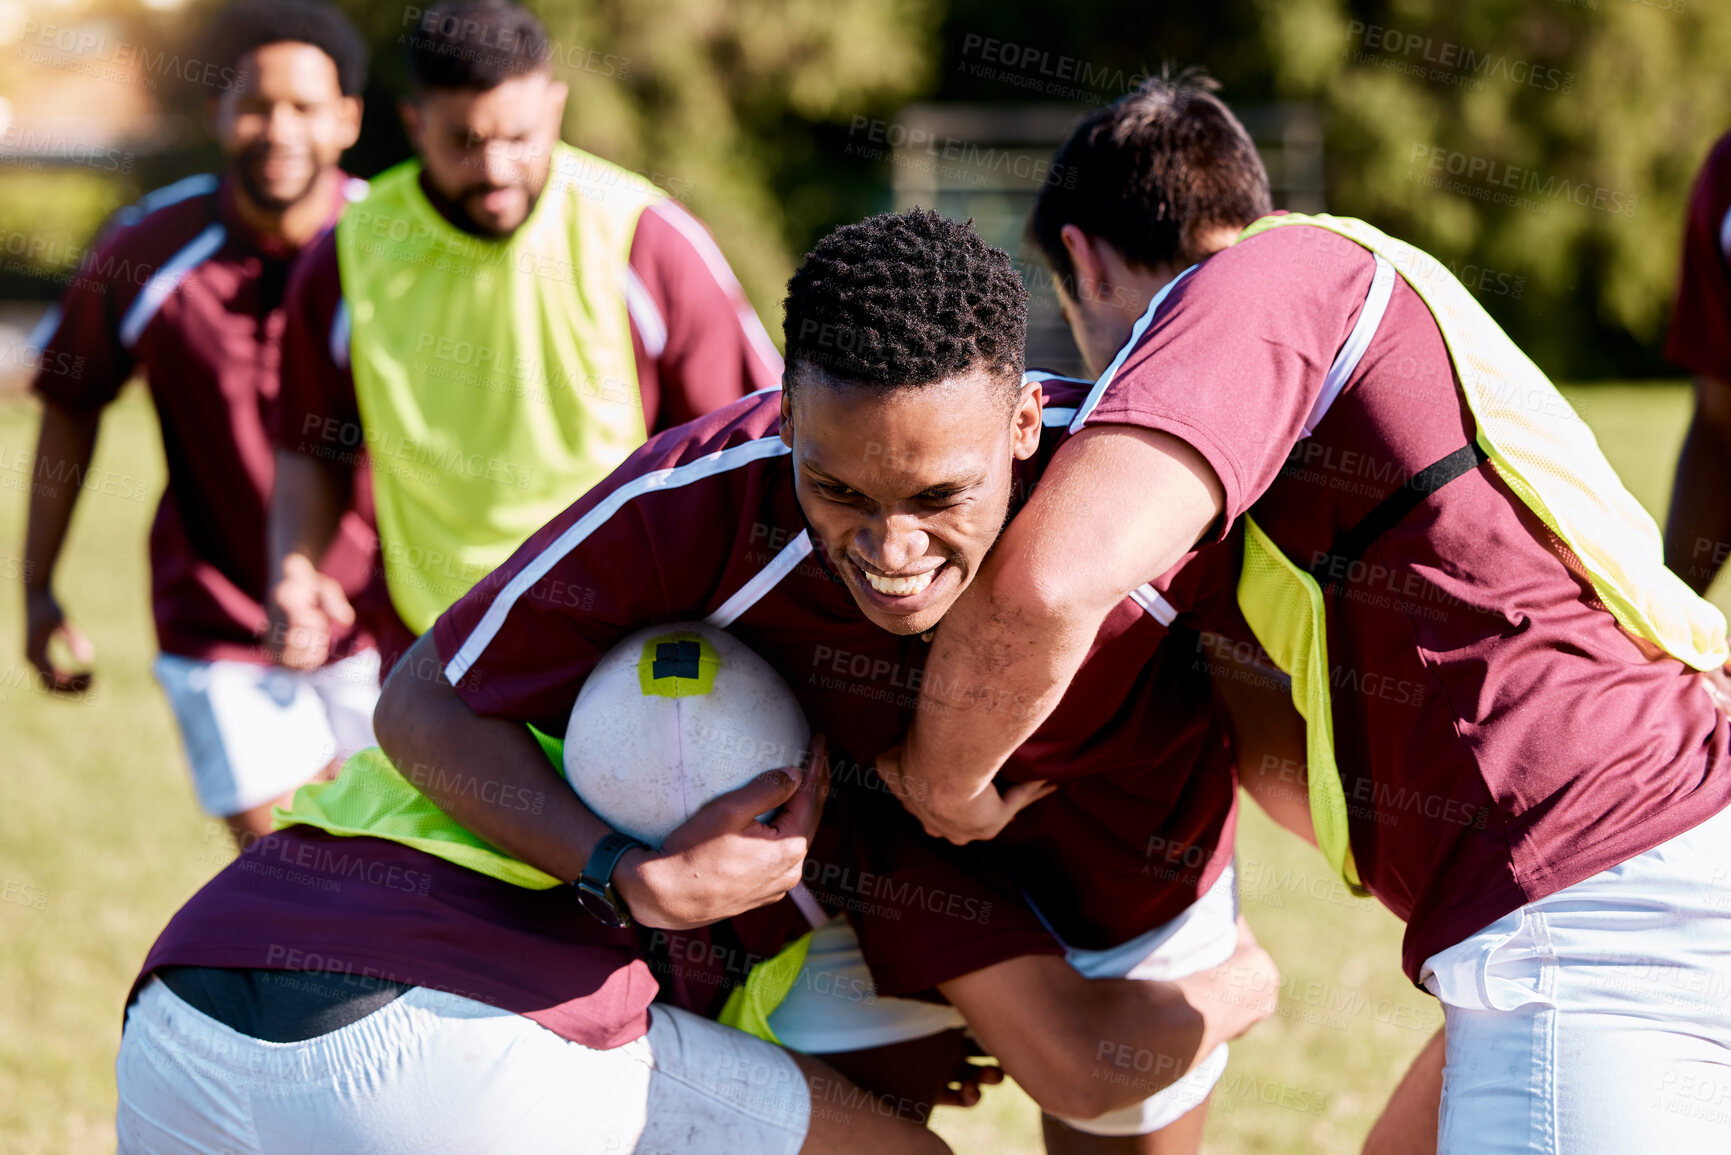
column 1408, row 1124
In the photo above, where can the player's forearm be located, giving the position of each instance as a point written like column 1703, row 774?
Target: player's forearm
column 1698, row 528
column 998, row 668
column 306, row 505
column 64, row 448
column 488, row 774
column 1118, row 506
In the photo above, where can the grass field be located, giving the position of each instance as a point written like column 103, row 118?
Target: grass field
column 100, row 841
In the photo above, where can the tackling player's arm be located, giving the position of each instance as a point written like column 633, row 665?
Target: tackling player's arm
column 318, row 442
column 1117, row 506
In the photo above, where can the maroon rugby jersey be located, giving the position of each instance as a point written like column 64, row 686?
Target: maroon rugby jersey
column 703, row 522
column 1142, row 767
column 302, row 899
column 305, row 900
column 183, row 289
column 695, row 340
column 1700, row 336
column 1499, row 737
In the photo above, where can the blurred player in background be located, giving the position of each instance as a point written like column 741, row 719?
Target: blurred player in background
column 1698, row 531
column 496, row 326
column 187, row 286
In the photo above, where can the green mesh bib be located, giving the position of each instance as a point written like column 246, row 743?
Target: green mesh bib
column 1547, row 456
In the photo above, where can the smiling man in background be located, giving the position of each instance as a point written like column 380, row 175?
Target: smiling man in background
column 187, row 287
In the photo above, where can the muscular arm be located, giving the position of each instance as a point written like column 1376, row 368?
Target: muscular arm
column 490, row 775
column 1118, row 506
column 64, row 449
column 1698, row 528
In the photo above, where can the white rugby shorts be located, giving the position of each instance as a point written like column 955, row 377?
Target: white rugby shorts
column 254, row 732
column 432, row 1073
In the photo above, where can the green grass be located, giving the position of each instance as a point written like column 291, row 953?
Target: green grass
column 100, row 841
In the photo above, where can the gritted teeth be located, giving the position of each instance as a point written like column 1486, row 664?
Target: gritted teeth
column 899, row 587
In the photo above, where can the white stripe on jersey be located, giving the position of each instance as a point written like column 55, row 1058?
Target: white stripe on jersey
column 767, row 578
column 44, row 330
column 1141, row 327
column 1052, row 415
column 340, row 331
column 700, row 240
column 166, row 280
column 720, row 461
column 1158, row 607
column 1352, row 352
column 1047, row 375
column 180, row 190
column 650, row 327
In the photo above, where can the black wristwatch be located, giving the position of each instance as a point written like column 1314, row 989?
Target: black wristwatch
column 595, row 887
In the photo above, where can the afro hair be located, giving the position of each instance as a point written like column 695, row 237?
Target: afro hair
column 250, row 24
column 904, row 299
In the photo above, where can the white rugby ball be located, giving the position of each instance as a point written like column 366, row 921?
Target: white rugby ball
column 672, row 717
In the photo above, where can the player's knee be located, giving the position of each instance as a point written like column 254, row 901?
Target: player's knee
column 1066, row 1081
column 1072, row 1095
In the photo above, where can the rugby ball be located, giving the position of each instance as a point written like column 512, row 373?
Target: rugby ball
column 672, row 717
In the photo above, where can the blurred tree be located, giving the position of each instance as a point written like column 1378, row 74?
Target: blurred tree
column 1542, row 148
column 1596, row 114
column 1591, row 116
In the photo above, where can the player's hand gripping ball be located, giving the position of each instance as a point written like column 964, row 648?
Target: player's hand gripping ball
column 672, row 717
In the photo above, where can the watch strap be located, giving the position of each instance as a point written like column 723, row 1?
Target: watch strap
column 598, row 871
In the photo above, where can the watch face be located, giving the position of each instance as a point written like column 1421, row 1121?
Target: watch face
column 595, row 902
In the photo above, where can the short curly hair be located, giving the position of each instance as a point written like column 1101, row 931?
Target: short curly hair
column 904, row 299
column 250, row 24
